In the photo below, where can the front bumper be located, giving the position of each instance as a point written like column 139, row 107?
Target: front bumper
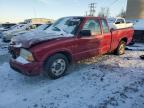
column 30, row 69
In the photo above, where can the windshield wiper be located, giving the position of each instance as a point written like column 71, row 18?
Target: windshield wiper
column 57, row 28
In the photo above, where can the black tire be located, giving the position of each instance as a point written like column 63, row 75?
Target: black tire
column 53, row 68
column 121, row 48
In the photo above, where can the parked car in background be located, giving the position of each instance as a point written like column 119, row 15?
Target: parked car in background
column 68, row 40
column 6, row 27
column 38, row 29
column 8, row 35
column 118, row 23
column 139, row 29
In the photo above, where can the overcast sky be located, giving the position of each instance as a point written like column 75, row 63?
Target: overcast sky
column 18, row 10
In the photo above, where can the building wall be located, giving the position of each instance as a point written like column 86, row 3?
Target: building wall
column 135, row 9
column 38, row 21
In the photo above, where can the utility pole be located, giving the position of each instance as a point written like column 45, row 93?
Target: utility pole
column 92, row 9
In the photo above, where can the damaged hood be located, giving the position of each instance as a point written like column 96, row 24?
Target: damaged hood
column 30, row 38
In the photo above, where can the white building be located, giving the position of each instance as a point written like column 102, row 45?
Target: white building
column 38, row 21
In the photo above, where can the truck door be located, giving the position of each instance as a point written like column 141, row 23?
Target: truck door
column 89, row 45
column 107, row 37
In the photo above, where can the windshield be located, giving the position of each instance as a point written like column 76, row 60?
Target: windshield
column 42, row 27
column 67, row 25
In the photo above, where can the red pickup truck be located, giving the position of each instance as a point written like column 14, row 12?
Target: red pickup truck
column 68, row 40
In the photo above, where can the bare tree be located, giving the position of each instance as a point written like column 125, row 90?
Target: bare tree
column 122, row 14
column 104, row 12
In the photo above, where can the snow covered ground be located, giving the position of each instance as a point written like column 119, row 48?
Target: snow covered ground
column 136, row 47
column 106, row 82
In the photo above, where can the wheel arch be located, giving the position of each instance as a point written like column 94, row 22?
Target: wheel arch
column 67, row 54
column 124, row 39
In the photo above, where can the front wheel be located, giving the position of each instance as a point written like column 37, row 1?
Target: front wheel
column 121, row 48
column 56, row 66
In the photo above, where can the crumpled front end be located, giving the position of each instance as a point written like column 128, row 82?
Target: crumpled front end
column 30, row 69
column 23, row 61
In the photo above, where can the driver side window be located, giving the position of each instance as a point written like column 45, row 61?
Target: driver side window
column 93, row 26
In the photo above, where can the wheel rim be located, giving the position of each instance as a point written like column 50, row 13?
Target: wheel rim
column 122, row 49
column 58, row 67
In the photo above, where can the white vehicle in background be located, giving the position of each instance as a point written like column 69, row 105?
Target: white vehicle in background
column 17, row 29
column 2, row 29
column 118, row 23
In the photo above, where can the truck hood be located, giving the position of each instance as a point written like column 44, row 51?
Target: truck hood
column 30, row 38
column 20, row 33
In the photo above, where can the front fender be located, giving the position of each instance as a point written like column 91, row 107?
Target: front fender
column 44, row 55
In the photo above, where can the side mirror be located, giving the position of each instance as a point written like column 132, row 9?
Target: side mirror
column 85, row 33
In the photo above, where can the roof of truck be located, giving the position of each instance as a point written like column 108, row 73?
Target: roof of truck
column 86, row 17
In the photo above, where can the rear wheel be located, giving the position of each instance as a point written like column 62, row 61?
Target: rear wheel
column 56, row 66
column 121, row 48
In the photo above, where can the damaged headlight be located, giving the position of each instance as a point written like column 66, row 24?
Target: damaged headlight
column 26, row 55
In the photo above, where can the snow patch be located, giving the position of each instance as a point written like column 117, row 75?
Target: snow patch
column 22, row 60
column 106, row 82
column 136, row 47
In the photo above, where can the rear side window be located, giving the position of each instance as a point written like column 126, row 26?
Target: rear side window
column 93, row 26
column 120, row 21
column 105, row 27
